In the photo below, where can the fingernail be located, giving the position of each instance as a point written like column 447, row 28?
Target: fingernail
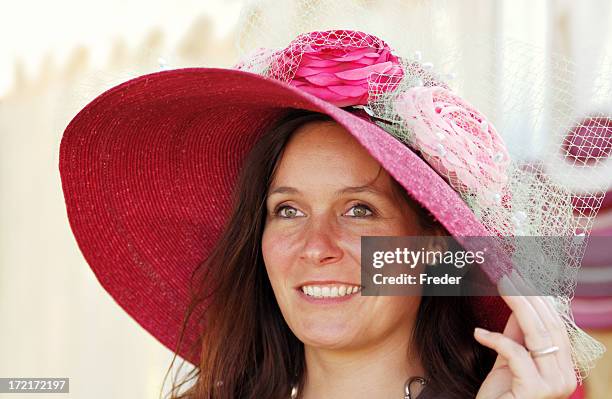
column 516, row 281
column 481, row 331
column 505, row 286
column 528, row 287
column 551, row 300
column 515, row 276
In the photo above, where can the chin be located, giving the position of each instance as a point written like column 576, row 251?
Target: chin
column 330, row 337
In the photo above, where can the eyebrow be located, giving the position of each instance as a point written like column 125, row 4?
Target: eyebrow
column 346, row 190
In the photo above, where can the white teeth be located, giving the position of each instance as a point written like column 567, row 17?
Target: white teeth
column 330, row 291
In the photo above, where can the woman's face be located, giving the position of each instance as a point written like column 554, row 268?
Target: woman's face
column 324, row 196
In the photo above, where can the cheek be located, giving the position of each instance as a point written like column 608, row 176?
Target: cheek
column 402, row 305
column 396, row 312
column 393, row 226
column 277, row 258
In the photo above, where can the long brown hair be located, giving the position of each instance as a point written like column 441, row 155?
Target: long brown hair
column 247, row 349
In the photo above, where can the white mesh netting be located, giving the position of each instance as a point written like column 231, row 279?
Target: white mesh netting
column 538, row 164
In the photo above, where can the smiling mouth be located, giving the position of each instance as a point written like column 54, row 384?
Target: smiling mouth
column 330, row 291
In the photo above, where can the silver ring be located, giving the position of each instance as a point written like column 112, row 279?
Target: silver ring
column 543, row 352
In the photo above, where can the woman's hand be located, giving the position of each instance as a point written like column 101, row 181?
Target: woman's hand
column 533, row 324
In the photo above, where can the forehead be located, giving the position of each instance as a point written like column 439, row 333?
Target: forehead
column 323, row 153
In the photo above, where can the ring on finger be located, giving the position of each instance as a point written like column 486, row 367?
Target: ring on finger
column 543, row 352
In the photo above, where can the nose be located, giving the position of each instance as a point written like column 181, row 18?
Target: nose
column 321, row 243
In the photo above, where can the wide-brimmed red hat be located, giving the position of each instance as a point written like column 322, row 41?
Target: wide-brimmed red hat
column 148, row 167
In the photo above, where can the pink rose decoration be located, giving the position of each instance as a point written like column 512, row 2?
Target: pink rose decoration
column 457, row 141
column 337, row 65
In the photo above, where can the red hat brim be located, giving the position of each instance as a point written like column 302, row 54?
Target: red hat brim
column 148, row 168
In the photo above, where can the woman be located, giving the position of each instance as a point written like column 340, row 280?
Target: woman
column 266, row 319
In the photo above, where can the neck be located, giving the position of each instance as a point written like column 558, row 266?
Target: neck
column 375, row 371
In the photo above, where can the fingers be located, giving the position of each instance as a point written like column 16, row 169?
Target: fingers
column 527, row 382
column 553, row 323
column 537, row 335
column 517, row 357
column 512, row 331
column 534, row 324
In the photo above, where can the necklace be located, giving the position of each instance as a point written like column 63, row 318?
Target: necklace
column 407, row 394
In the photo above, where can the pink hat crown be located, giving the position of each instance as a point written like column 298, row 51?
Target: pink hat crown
column 352, row 68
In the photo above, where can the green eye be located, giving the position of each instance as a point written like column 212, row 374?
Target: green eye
column 361, row 211
column 291, row 212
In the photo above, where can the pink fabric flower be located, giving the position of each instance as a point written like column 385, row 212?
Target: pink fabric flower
column 457, row 141
column 337, row 65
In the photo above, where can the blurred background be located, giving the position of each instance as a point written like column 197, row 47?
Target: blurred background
column 55, row 318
